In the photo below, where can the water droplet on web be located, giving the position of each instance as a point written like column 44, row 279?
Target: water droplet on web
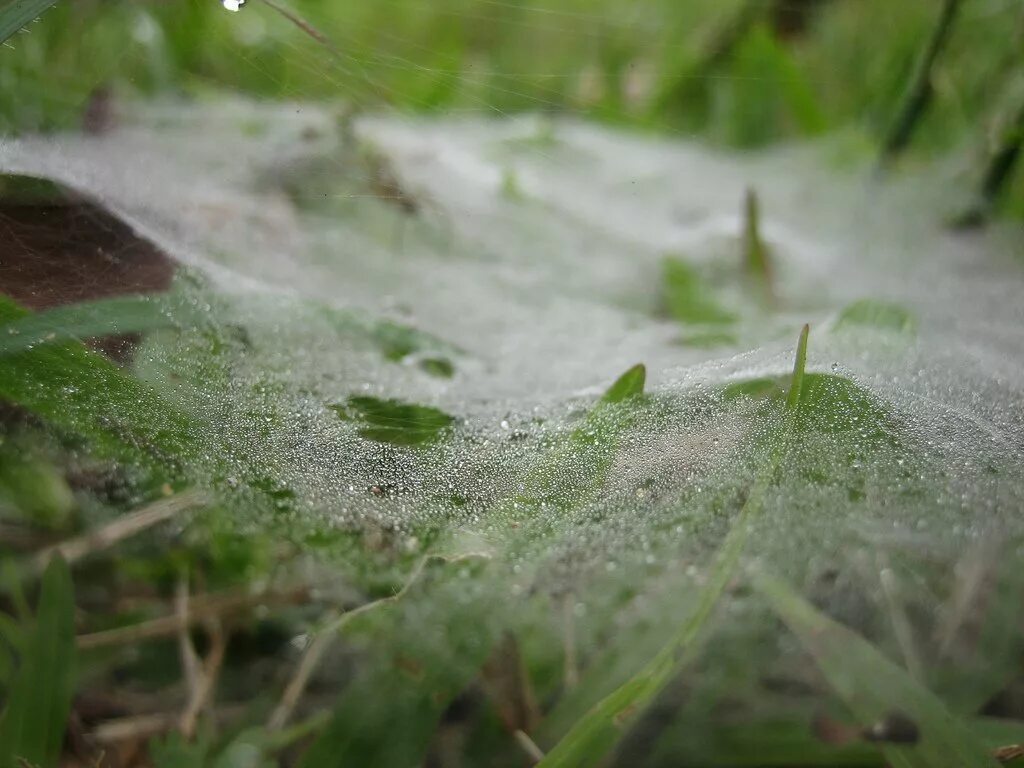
column 233, row 5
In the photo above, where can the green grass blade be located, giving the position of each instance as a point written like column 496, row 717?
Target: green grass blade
column 871, row 686
column 629, row 384
column 84, row 394
column 91, row 319
column 32, row 729
column 796, row 384
column 756, row 257
column 18, row 13
column 598, row 730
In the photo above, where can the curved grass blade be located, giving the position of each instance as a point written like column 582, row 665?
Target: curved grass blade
column 598, row 731
column 629, row 384
column 871, row 686
column 32, row 729
column 90, row 319
column 16, row 15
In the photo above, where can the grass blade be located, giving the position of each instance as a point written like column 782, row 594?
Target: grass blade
column 921, row 90
column 83, row 393
column 871, row 686
column 756, row 256
column 18, row 13
column 598, row 731
column 91, row 319
column 629, row 384
column 796, row 384
column 32, row 729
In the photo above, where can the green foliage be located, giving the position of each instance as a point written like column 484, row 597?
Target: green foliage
column 871, row 687
column 687, row 298
column 39, row 699
column 448, row 55
column 767, row 94
column 105, row 317
column 397, row 342
column 15, row 15
column 173, row 751
column 799, row 392
column 86, row 397
column 876, row 315
column 429, row 657
column 574, row 470
column 602, row 726
column 34, row 487
column 630, row 384
column 395, row 422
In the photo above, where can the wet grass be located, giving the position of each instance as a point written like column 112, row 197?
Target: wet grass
column 210, row 612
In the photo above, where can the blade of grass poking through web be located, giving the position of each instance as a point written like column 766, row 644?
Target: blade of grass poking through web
column 17, row 14
column 797, row 384
column 598, row 730
column 32, row 729
column 91, row 319
column 756, row 258
column 629, row 384
column 872, row 687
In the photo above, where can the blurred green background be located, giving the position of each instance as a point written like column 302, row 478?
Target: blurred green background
column 805, row 67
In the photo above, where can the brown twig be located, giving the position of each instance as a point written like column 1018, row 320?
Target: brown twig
column 119, row 529
column 898, row 616
column 529, row 746
column 145, row 727
column 314, row 652
column 220, row 606
column 297, row 685
column 186, row 649
column 305, row 26
column 207, row 680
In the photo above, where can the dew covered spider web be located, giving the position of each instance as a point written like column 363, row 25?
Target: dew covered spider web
column 391, row 337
